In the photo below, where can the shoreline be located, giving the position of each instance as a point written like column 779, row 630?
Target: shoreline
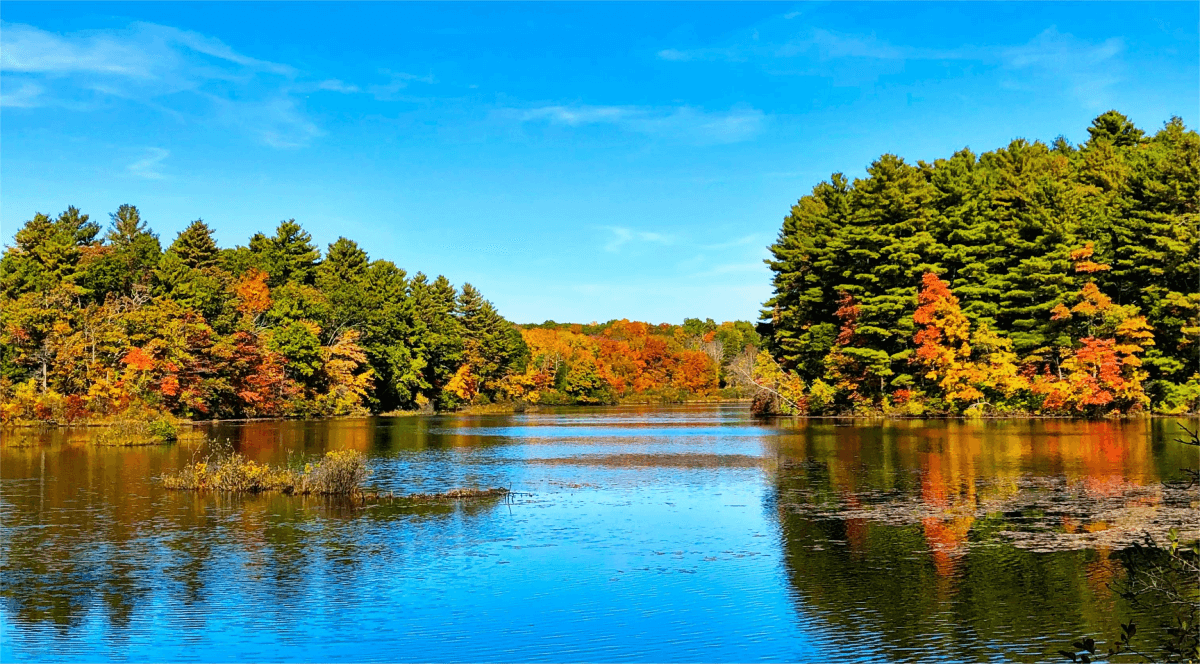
column 498, row 409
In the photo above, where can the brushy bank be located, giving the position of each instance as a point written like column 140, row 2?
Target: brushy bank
column 135, row 428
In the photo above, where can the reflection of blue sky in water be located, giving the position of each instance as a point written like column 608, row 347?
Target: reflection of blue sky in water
column 656, row 535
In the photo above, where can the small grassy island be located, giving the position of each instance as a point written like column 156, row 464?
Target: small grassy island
column 338, row 473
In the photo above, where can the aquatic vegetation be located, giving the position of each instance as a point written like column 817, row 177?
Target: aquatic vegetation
column 339, row 472
column 1040, row 514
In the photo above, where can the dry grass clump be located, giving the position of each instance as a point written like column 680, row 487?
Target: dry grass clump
column 338, row 473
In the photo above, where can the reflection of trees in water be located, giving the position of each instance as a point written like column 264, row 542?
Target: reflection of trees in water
column 940, row 583
column 880, row 582
column 63, row 536
column 85, row 528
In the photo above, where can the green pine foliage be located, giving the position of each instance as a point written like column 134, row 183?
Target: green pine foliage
column 1000, row 228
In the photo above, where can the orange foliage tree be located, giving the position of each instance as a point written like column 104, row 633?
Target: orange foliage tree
column 943, row 343
column 1102, row 369
column 624, row 359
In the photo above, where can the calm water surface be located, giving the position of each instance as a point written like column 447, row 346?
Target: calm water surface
column 648, row 534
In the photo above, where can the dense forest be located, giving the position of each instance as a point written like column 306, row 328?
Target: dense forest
column 94, row 326
column 104, row 326
column 1053, row 279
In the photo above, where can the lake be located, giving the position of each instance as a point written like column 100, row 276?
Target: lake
column 685, row 533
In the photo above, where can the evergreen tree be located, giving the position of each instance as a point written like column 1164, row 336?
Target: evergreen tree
column 132, row 256
column 492, row 346
column 385, row 318
column 1115, row 128
column 1025, row 259
column 802, row 327
column 77, row 227
column 438, row 334
column 289, row 255
column 1157, row 251
column 340, row 278
column 195, row 246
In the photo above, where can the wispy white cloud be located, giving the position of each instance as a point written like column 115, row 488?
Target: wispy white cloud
column 728, row 54
column 1088, row 69
column 144, row 51
column 622, row 236
column 685, row 123
column 819, row 44
column 160, row 66
column 739, row 242
column 753, row 267
column 334, row 85
column 150, row 165
column 26, row 95
column 278, row 122
column 397, row 81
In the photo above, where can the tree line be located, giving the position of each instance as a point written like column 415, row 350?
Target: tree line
column 94, row 325
column 102, row 324
column 1053, row 279
column 624, row 360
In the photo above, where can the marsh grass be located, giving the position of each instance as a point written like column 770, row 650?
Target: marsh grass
column 338, row 473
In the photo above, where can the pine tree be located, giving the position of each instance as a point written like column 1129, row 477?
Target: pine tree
column 133, row 255
column 1157, row 251
column 801, row 326
column 492, row 346
column 438, row 335
column 381, row 307
column 344, row 261
column 195, row 246
column 77, row 227
column 1114, row 127
column 289, row 255
column 884, row 251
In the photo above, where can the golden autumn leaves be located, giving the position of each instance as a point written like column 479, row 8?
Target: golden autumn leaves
column 1096, row 370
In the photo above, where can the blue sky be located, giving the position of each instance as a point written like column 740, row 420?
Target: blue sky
column 576, row 162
